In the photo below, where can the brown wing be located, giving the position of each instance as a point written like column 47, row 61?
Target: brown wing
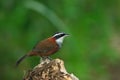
column 46, row 47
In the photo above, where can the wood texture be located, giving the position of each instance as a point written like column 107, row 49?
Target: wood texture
column 49, row 70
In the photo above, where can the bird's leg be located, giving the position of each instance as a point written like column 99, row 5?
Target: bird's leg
column 48, row 57
column 45, row 58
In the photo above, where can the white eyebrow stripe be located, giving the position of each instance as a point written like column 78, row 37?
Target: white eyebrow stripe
column 57, row 34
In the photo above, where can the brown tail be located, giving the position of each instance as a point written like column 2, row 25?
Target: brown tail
column 19, row 60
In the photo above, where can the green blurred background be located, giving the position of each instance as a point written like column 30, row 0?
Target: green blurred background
column 91, row 52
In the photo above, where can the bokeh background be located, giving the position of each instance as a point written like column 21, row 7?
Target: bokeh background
column 91, row 52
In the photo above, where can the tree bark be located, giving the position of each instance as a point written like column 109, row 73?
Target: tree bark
column 49, row 70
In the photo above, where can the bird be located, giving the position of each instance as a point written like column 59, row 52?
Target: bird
column 46, row 47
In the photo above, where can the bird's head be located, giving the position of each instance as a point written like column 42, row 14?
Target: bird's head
column 59, row 37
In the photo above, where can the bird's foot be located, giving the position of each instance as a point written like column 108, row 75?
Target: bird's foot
column 45, row 59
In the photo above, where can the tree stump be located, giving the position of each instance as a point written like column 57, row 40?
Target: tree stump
column 49, row 70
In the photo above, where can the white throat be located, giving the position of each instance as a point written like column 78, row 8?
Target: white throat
column 60, row 41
